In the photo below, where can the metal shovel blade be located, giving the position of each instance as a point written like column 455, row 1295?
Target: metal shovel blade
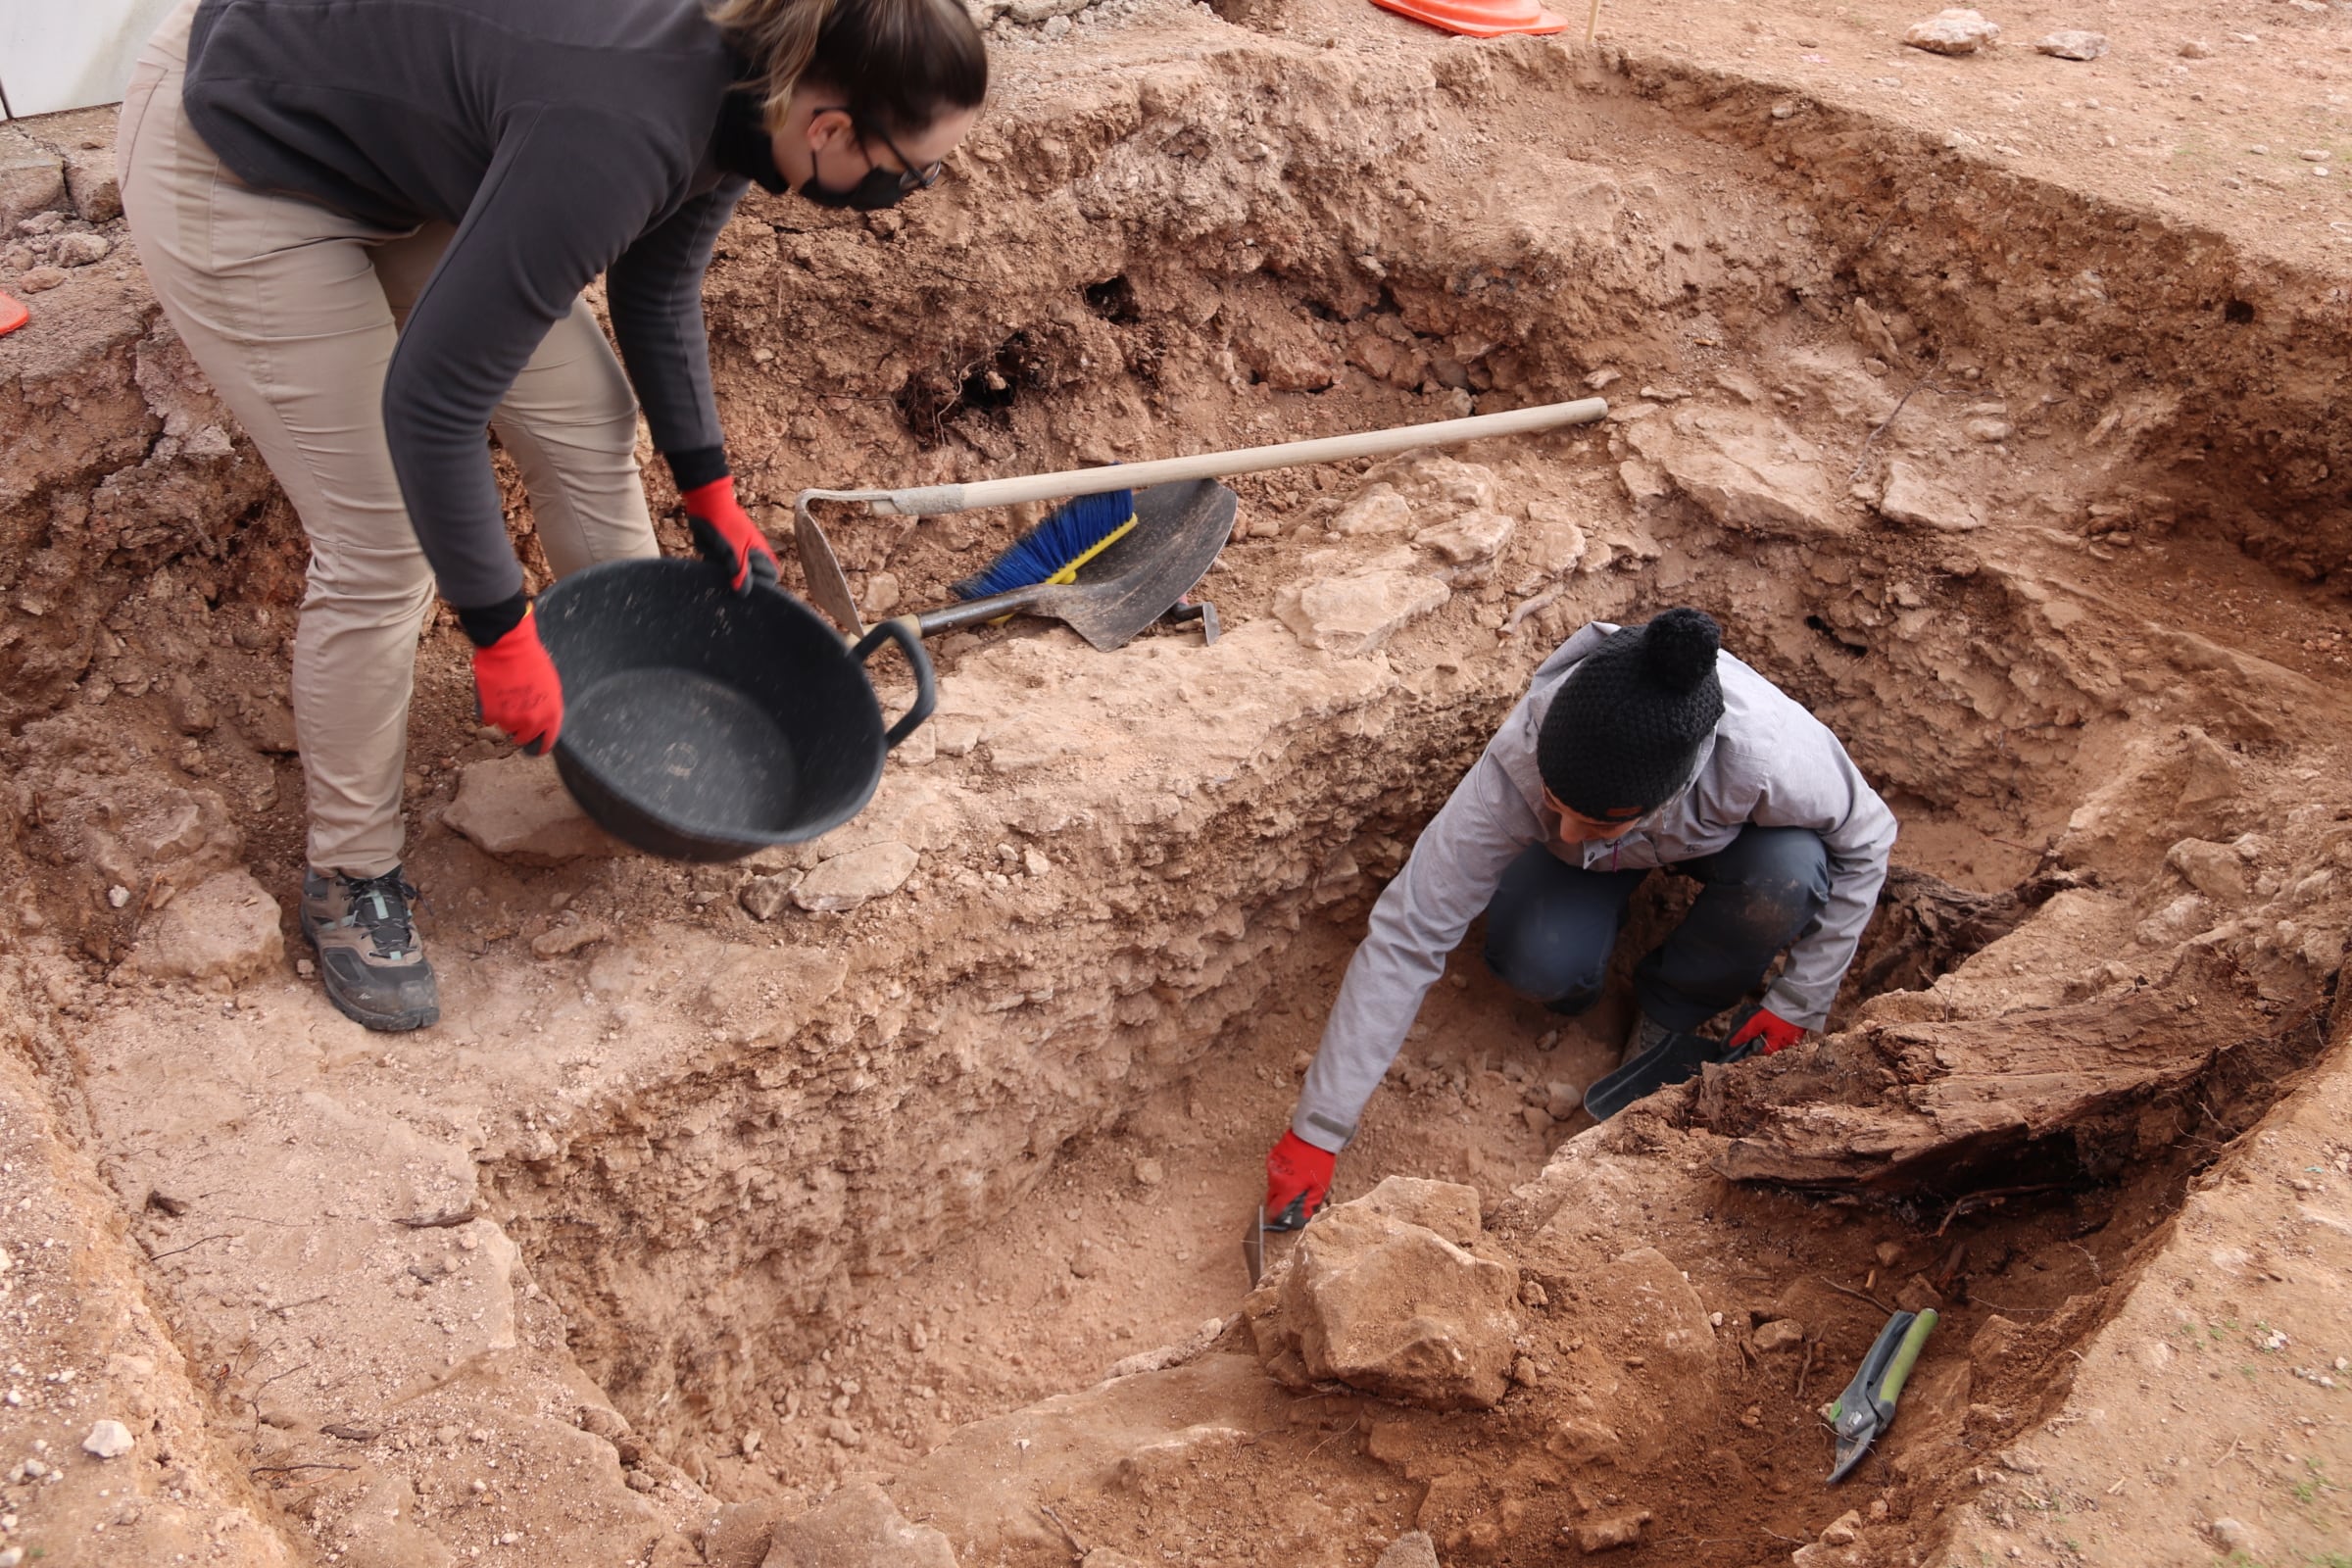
column 1179, row 528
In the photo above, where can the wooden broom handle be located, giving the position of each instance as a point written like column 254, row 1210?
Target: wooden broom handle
column 931, row 500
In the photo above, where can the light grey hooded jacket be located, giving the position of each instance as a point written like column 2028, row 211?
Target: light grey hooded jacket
column 1769, row 763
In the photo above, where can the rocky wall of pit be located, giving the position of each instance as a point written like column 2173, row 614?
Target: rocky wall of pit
column 2206, row 378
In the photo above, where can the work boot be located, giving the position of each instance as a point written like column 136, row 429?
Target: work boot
column 1648, row 1035
column 368, row 955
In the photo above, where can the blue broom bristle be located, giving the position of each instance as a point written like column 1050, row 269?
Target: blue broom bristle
column 1074, row 528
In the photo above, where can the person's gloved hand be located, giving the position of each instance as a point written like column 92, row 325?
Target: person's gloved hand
column 727, row 537
column 1764, row 1031
column 515, row 687
column 1297, row 1179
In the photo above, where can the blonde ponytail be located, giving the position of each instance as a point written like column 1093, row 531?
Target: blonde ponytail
column 780, row 35
column 899, row 62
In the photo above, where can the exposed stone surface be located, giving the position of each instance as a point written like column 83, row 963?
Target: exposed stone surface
column 1610, row 1531
column 2073, row 43
column 80, row 250
column 1781, row 1333
column 764, row 897
column 1911, row 497
column 845, row 881
column 1360, row 613
column 1391, row 1307
column 1375, row 510
column 32, row 178
column 108, row 1440
column 517, row 809
column 564, row 940
column 1743, row 467
column 1448, row 1208
column 1412, row 1550
column 91, row 185
column 218, row 934
column 1469, row 540
column 2214, row 869
column 858, row 1527
column 1953, row 31
column 741, row 1536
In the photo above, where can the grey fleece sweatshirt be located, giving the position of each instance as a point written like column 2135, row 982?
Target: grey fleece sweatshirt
column 1769, row 763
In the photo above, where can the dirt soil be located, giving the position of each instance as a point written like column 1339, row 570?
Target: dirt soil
column 1993, row 403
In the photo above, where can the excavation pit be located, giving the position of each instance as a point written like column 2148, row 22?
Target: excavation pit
column 735, row 1185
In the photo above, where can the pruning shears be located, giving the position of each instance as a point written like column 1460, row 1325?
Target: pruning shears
column 1867, row 1406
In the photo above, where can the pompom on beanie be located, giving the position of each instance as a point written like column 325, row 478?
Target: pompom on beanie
column 1625, row 728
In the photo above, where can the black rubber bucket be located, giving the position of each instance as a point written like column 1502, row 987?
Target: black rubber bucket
column 701, row 724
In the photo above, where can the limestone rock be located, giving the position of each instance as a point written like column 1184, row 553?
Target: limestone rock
column 845, row 881
column 218, row 934
column 1376, row 510
column 1448, row 1208
column 1781, row 1333
column 562, row 941
column 1953, row 31
column 33, row 179
column 1554, row 541
column 1395, row 1309
column 741, row 1535
column 2212, row 869
column 1744, row 467
column 1913, row 500
column 858, row 1527
column 517, row 809
column 1412, row 1550
column 1358, row 613
column 189, row 708
column 80, row 250
column 1609, row 1531
column 1470, row 540
column 2073, row 43
column 108, row 1440
column 1104, row 1558
column 90, row 182
column 1286, row 354
column 764, row 897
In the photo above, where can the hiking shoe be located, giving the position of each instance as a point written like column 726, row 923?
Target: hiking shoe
column 368, row 955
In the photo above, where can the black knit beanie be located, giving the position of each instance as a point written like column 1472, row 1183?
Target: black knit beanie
column 1624, row 729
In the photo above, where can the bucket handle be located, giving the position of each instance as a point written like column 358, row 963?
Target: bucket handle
column 907, row 633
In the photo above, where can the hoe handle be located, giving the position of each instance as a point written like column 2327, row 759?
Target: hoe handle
column 930, row 500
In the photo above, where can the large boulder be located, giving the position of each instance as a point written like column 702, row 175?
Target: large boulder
column 1374, row 1298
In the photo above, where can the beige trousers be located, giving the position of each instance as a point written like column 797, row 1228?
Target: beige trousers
column 292, row 311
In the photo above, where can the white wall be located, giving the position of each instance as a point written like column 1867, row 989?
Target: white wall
column 69, row 54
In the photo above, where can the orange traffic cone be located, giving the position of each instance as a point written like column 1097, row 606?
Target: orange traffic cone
column 1479, row 19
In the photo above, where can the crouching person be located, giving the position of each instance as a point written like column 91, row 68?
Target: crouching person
column 1635, row 749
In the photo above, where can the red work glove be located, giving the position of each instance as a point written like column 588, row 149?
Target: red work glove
column 727, row 536
column 1766, row 1031
column 515, row 687
column 1297, row 1179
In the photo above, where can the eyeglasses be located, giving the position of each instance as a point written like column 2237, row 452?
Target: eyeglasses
column 911, row 178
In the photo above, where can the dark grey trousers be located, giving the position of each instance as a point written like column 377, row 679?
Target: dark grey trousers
column 1551, row 926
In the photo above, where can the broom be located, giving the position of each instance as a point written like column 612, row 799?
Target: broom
column 1053, row 551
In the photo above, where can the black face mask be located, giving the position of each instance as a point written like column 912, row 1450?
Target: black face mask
column 879, row 188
